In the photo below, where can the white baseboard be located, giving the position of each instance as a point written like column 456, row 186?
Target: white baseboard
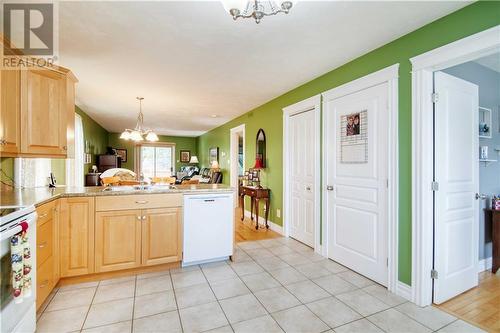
column 273, row 226
column 484, row 264
column 404, row 290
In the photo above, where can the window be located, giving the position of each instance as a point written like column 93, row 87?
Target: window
column 155, row 160
column 74, row 167
column 32, row 172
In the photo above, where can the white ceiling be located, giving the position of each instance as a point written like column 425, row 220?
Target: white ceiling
column 190, row 60
column 492, row 62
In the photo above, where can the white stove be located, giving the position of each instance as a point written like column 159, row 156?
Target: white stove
column 15, row 316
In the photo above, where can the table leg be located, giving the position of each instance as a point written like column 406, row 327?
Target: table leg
column 257, row 213
column 251, row 208
column 242, row 205
column 496, row 242
column 267, row 212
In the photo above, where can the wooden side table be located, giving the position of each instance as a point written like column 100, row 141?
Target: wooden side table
column 256, row 194
column 494, row 216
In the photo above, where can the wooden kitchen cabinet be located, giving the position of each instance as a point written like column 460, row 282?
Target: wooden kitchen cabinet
column 10, row 112
column 161, row 236
column 76, row 228
column 47, row 247
column 44, row 113
column 118, row 240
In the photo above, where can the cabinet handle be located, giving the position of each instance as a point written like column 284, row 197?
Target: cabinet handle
column 65, row 147
column 141, row 202
column 43, row 216
column 139, row 218
column 42, row 245
column 44, row 284
column 144, row 218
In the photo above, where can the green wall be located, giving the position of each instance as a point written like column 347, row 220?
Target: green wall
column 469, row 20
column 95, row 135
column 181, row 143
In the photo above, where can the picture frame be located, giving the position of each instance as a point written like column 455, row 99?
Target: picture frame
column 213, row 154
column 184, row 156
column 122, row 152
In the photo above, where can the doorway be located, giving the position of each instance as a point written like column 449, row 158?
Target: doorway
column 446, row 168
column 237, row 157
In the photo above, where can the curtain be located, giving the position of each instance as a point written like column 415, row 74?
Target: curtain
column 74, row 166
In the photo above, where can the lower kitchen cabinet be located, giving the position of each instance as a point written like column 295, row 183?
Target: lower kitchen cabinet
column 76, row 227
column 118, row 240
column 47, row 257
column 161, row 236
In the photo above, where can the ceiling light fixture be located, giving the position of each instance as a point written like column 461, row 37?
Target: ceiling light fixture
column 138, row 133
column 257, row 9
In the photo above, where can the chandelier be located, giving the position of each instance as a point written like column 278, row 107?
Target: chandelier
column 138, row 133
column 256, row 9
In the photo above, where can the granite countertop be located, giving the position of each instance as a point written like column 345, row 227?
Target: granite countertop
column 39, row 196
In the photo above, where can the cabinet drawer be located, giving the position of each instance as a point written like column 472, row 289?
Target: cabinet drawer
column 142, row 201
column 44, row 242
column 44, row 281
column 45, row 213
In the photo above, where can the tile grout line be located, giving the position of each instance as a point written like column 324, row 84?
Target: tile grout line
column 175, row 299
column 133, row 305
column 90, row 306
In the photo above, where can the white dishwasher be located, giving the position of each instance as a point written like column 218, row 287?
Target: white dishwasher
column 208, row 228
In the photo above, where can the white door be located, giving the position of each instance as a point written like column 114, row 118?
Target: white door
column 302, row 173
column 456, row 171
column 357, row 178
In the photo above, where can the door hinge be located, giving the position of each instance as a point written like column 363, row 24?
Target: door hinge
column 435, row 186
column 435, row 97
column 434, row 274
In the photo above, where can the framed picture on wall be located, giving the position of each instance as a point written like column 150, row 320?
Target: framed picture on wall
column 122, row 152
column 213, row 154
column 185, row 156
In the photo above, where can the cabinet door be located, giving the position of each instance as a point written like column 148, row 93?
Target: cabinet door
column 76, row 236
column 44, row 114
column 118, row 240
column 161, row 236
column 10, row 112
column 70, row 115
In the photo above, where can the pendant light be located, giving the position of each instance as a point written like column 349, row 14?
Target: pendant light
column 138, row 133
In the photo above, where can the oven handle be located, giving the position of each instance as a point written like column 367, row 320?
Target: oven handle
column 11, row 232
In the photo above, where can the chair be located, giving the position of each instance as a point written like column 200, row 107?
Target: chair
column 216, row 178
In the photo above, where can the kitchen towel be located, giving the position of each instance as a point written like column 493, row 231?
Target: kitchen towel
column 21, row 264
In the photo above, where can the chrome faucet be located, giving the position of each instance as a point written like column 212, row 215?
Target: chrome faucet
column 141, row 181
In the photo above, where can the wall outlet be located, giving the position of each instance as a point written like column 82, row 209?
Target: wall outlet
column 278, row 212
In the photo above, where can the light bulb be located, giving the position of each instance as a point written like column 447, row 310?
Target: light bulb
column 151, row 136
column 136, row 136
column 240, row 5
column 125, row 135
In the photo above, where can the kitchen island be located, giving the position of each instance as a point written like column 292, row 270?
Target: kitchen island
column 86, row 233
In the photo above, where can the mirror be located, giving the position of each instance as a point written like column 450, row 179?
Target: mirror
column 260, row 150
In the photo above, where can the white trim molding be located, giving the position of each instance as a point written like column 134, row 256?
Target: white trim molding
column 310, row 104
column 484, row 264
column 233, row 149
column 403, row 290
column 273, row 226
column 423, row 67
column 389, row 75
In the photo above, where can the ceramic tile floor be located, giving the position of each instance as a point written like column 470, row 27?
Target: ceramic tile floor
column 273, row 285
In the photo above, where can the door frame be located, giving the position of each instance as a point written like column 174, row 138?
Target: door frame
column 389, row 75
column 311, row 104
column 233, row 157
column 423, row 66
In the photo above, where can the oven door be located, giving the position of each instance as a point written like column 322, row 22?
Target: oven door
column 14, row 315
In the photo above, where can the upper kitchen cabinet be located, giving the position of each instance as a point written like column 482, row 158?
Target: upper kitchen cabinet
column 10, row 112
column 37, row 112
column 43, row 120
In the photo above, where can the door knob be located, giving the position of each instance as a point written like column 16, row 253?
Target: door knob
column 481, row 196
column 308, row 188
column 329, row 188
